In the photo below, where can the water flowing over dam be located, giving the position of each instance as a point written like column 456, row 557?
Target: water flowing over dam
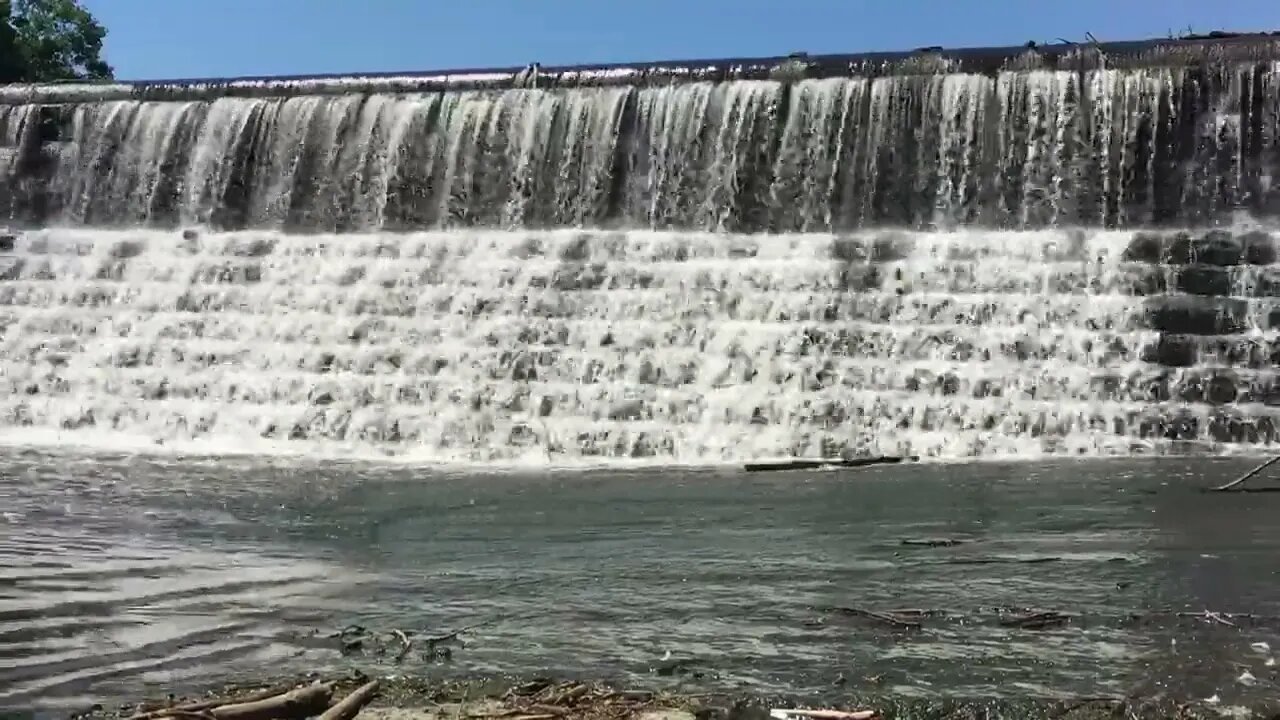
column 1064, row 253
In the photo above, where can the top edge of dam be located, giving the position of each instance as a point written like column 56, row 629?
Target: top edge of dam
column 1213, row 49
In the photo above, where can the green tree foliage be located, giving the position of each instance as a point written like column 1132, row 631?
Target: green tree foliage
column 10, row 58
column 48, row 40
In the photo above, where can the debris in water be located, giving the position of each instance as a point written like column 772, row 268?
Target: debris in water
column 792, row 714
column 406, row 644
column 933, row 542
column 886, row 618
column 1209, row 615
column 1037, row 620
column 1246, row 476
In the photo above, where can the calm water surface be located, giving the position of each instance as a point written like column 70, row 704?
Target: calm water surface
column 128, row 576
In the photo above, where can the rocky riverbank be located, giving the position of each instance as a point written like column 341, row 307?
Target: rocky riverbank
column 412, row 698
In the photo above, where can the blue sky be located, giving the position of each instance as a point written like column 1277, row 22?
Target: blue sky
column 155, row 39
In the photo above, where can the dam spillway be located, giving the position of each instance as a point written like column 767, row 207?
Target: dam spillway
column 1020, row 149
column 1070, row 256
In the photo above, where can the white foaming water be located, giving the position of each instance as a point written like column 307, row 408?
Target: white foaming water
column 1027, row 149
column 566, row 347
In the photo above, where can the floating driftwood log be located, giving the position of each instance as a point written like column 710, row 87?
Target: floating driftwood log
column 893, row 620
column 778, row 465
column 791, row 713
column 1234, row 483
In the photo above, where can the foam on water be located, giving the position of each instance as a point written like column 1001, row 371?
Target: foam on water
column 569, row 346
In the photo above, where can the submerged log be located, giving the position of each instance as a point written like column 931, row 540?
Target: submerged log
column 778, row 465
column 892, row 620
column 785, row 713
column 1246, row 476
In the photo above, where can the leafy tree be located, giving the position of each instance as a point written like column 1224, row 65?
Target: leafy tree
column 47, row 40
column 11, row 69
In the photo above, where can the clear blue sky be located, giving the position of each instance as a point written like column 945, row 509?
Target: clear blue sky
column 219, row 38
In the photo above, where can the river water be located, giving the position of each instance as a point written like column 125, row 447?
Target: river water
column 127, row 576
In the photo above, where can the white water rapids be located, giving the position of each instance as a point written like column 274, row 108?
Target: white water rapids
column 565, row 347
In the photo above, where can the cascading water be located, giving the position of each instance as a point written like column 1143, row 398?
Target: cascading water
column 950, row 265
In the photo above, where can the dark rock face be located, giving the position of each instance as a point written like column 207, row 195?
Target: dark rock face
column 1217, row 333
column 1197, row 316
column 1218, row 248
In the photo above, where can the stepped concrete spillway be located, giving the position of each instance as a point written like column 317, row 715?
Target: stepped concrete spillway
column 1052, row 249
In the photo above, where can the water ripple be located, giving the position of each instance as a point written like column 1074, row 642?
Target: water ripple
column 127, row 576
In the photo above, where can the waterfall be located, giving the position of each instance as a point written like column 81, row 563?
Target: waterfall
column 946, row 265
column 1033, row 149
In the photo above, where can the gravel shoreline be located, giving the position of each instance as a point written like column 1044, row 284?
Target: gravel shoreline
column 420, row 698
